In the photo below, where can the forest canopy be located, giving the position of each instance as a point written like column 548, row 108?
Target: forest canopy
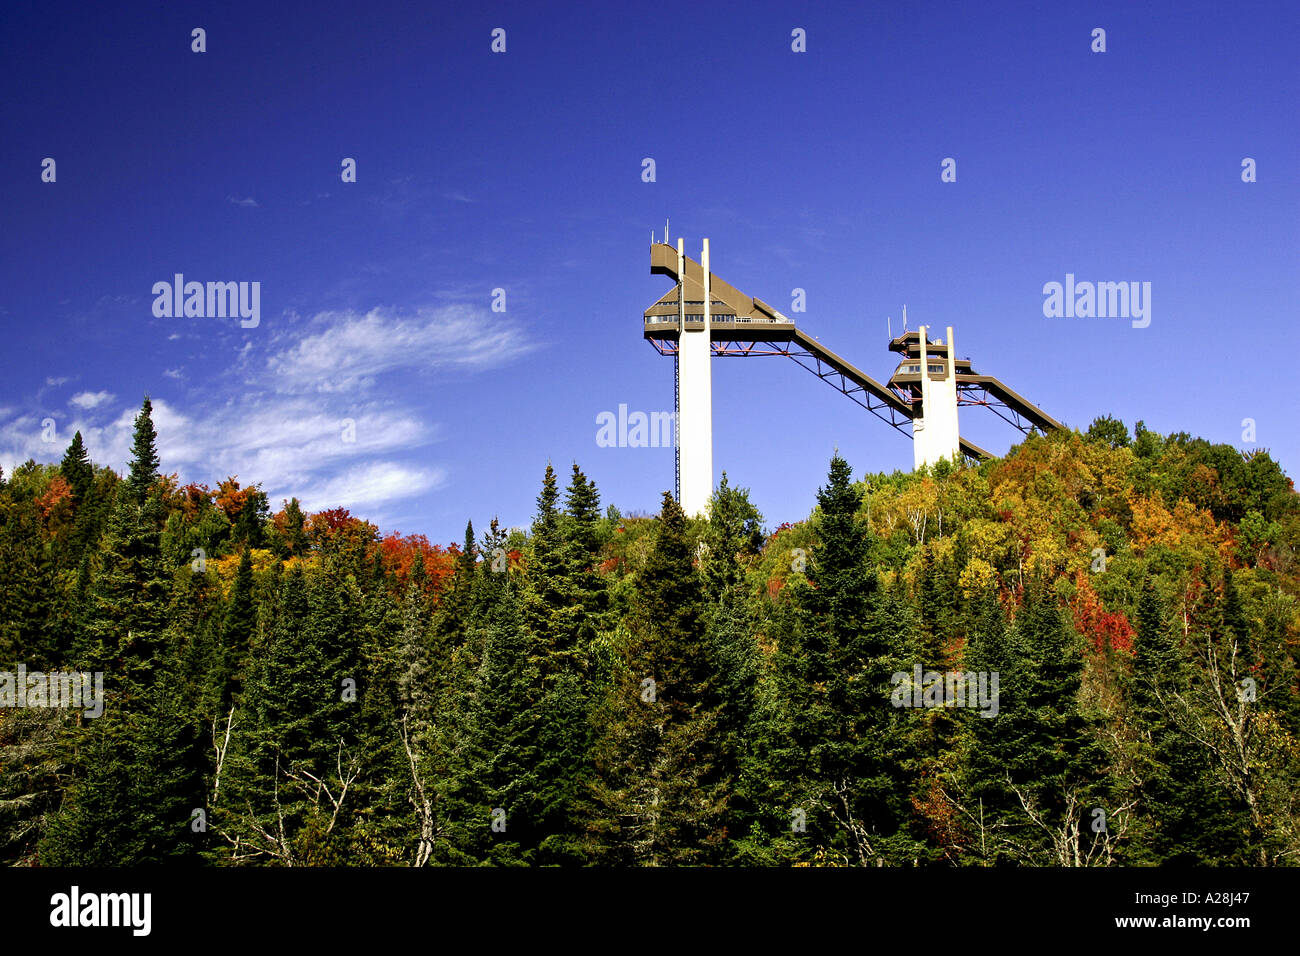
column 290, row 688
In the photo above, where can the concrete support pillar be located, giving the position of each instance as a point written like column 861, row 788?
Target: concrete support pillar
column 935, row 435
column 695, row 405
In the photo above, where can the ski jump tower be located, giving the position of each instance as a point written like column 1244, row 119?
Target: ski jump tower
column 703, row 316
column 934, row 430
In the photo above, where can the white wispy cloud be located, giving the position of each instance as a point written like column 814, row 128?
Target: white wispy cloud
column 285, row 442
column 373, row 484
column 349, row 350
column 23, row 436
column 89, row 400
column 55, row 382
column 311, row 415
column 249, row 203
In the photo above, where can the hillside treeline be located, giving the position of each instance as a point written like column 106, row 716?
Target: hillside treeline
column 599, row 689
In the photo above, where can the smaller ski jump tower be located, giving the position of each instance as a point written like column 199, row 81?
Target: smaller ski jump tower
column 934, row 431
column 703, row 316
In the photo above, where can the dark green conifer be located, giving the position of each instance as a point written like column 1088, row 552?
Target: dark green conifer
column 77, row 469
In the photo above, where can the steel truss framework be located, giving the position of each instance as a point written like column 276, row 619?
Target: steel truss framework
column 813, row 363
column 974, row 393
column 968, row 393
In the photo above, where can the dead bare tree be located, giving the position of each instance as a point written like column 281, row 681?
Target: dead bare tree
column 992, row 837
column 420, row 799
column 861, row 839
column 273, row 845
column 1067, row 836
column 221, row 747
column 1218, row 713
column 302, row 776
column 250, row 838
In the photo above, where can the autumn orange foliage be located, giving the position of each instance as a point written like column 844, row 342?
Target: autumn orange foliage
column 231, row 499
column 56, row 500
column 1105, row 630
column 193, row 498
column 397, row 554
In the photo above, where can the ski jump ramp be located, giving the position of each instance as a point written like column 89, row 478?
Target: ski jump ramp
column 704, row 316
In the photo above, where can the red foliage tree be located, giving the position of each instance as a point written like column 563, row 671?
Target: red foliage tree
column 397, row 554
column 335, row 530
column 1104, row 629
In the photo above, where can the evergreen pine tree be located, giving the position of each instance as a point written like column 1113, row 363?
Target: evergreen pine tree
column 586, row 586
column 835, row 672
column 128, row 604
column 1184, row 817
column 658, row 797
column 144, row 456
column 550, row 608
column 732, row 538
column 295, row 528
column 458, row 605
column 1036, row 767
column 77, row 469
column 291, row 726
column 238, row 629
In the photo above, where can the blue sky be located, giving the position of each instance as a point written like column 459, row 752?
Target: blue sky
column 522, row 171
